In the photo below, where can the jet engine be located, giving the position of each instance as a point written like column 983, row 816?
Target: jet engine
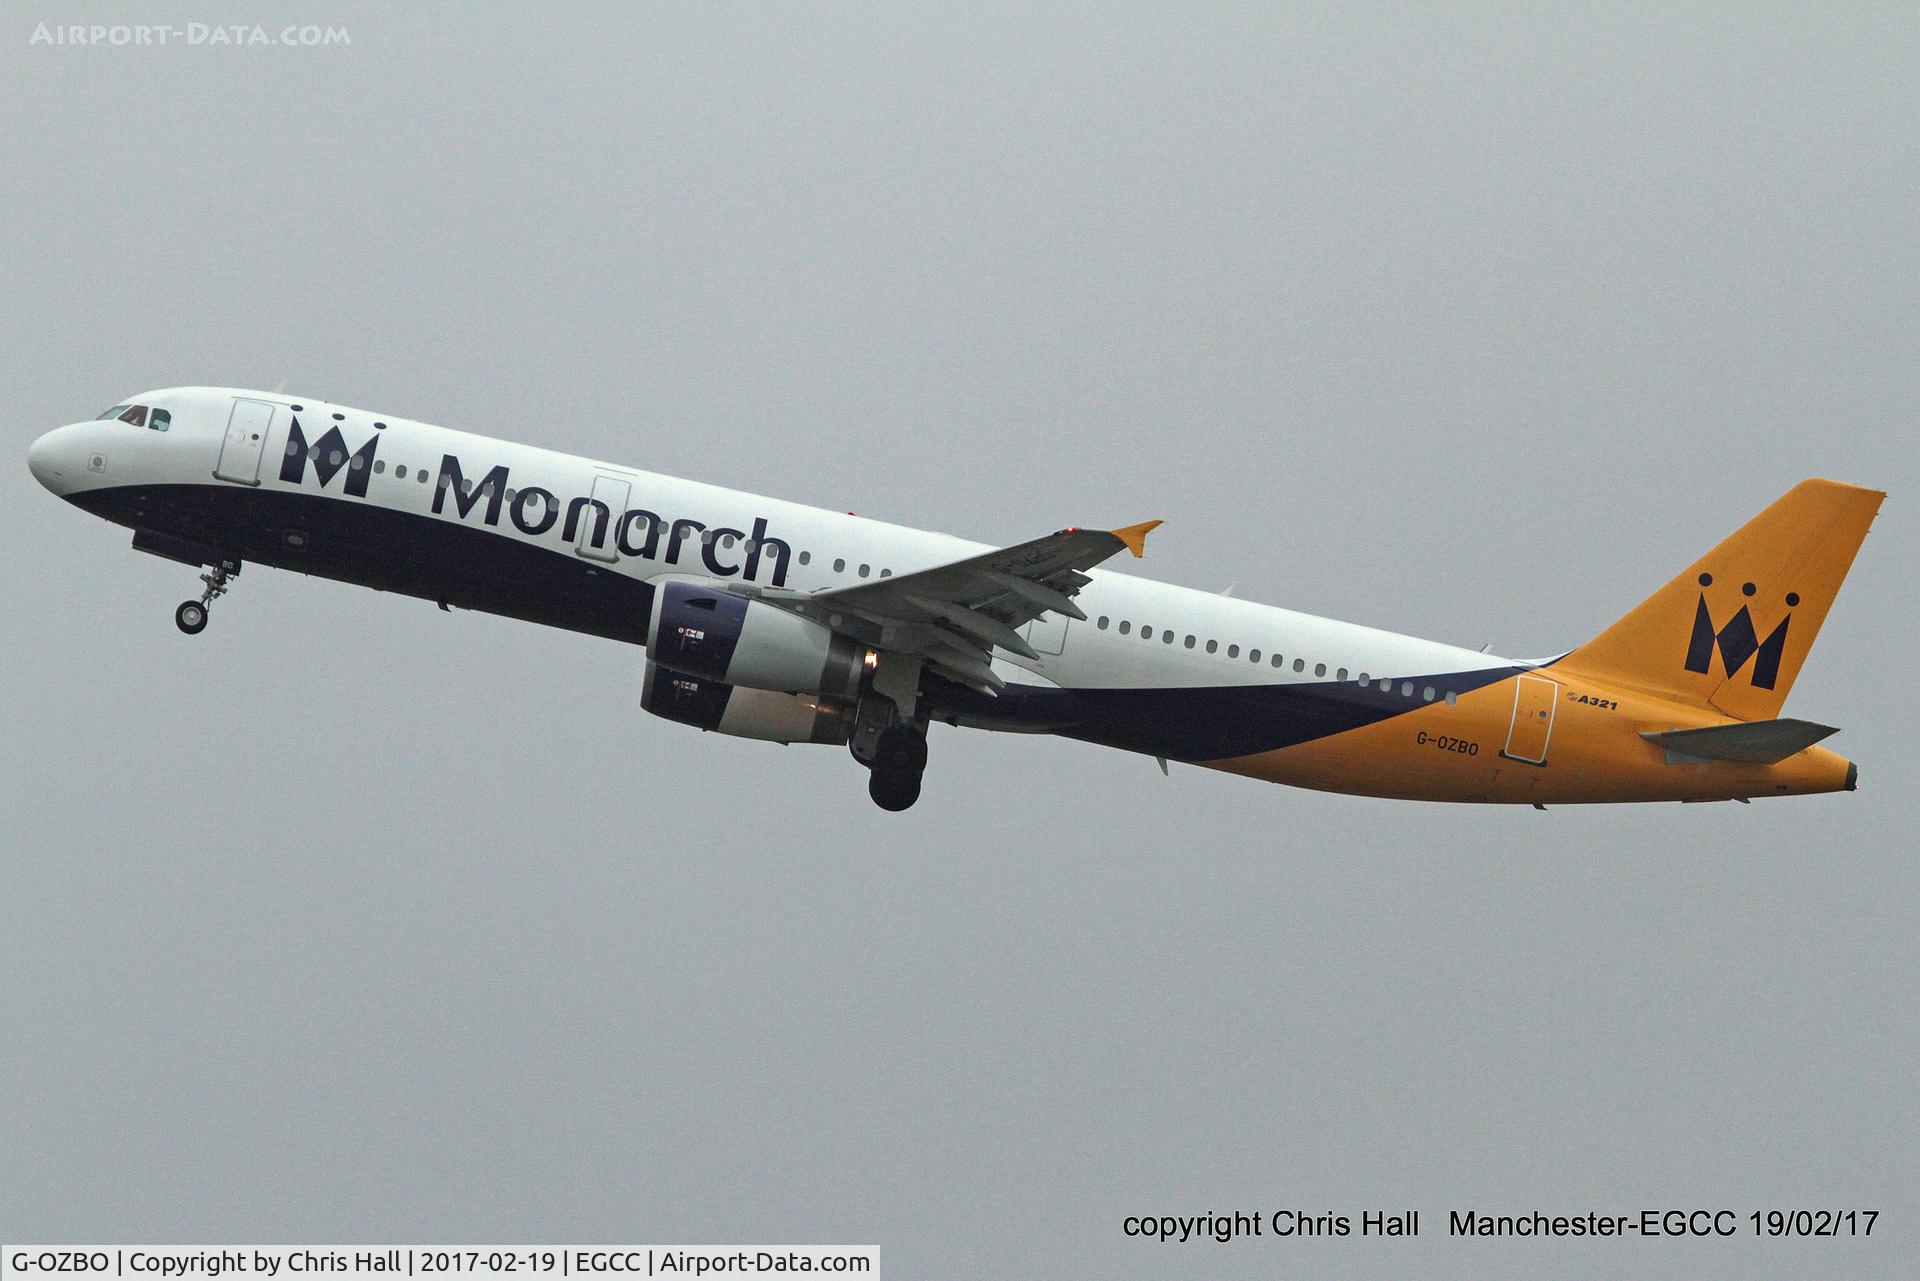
column 703, row 631
column 747, row 713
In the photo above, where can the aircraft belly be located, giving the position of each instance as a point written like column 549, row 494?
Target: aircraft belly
column 391, row 550
column 1204, row 724
column 1438, row 752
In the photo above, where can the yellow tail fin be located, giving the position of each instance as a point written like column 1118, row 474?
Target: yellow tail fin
column 1732, row 631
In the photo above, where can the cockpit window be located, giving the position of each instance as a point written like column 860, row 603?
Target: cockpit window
column 140, row 416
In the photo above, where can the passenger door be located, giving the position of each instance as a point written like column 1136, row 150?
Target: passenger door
column 246, row 437
column 1534, row 698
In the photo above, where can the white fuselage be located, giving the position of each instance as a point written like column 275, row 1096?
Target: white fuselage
column 1195, row 638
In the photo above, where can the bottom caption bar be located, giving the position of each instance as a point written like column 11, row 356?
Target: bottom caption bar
column 200, row 1262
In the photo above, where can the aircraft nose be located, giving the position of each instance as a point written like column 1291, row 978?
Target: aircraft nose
column 40, row 455
column 52, row 459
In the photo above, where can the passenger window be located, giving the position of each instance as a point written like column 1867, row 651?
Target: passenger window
column 806, row 558
column 1146, row 632
column 161, row 420
column 1253, row 656
column 1213, row 647
column 1125, row 627
column 1189, row 640
column 865, row 570
column 1406, row 689
column 1233, row 651
column 1299, row 664
column 840, row 565
column 136, row 414
column 400, row 471
column 1450, row 698
column 1319, row 669
column 1166, row 637
column 1341, row 674
column 1278, row 661
column 1426, row 695
column 1102, row 624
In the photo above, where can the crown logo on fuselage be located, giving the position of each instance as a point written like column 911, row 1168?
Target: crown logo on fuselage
column 329, row 454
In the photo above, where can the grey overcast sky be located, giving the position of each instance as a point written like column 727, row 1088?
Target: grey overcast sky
column 354, row 920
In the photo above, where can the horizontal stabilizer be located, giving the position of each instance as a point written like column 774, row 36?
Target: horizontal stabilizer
column 1754, row 743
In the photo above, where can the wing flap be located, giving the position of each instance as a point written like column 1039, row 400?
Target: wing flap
column 1045, row 598
column 983, row 626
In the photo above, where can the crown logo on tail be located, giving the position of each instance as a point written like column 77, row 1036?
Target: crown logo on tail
column 1738, row 641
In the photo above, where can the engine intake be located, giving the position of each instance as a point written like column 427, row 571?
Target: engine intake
column 701, row 631
column 744, row 713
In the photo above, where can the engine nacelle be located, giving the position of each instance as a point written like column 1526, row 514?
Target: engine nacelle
column 746, row 713
column 717, row 636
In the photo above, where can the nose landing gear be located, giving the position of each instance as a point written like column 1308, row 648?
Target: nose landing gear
column 191, row 617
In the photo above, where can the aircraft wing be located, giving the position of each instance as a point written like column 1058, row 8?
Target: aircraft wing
column 956, row 615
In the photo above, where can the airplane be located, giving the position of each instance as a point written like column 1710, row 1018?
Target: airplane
column 786, row 623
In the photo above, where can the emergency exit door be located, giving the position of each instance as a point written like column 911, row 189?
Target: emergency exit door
column 246, row 437
column 1048, row 633
column 598, row 537
column 1534, row 698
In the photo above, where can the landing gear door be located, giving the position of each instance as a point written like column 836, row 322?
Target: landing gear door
column 1534, row 701
column 246, row 438
column 597, row 537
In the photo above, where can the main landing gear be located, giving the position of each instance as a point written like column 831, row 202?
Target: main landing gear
column 191, row 617
column 892, row 747
column 889, row 737
column 899, row 759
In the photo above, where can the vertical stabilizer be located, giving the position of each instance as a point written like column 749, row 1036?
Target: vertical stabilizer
column 1732, row 631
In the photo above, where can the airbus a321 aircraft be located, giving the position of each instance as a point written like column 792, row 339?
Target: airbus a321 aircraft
column 771, row 620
